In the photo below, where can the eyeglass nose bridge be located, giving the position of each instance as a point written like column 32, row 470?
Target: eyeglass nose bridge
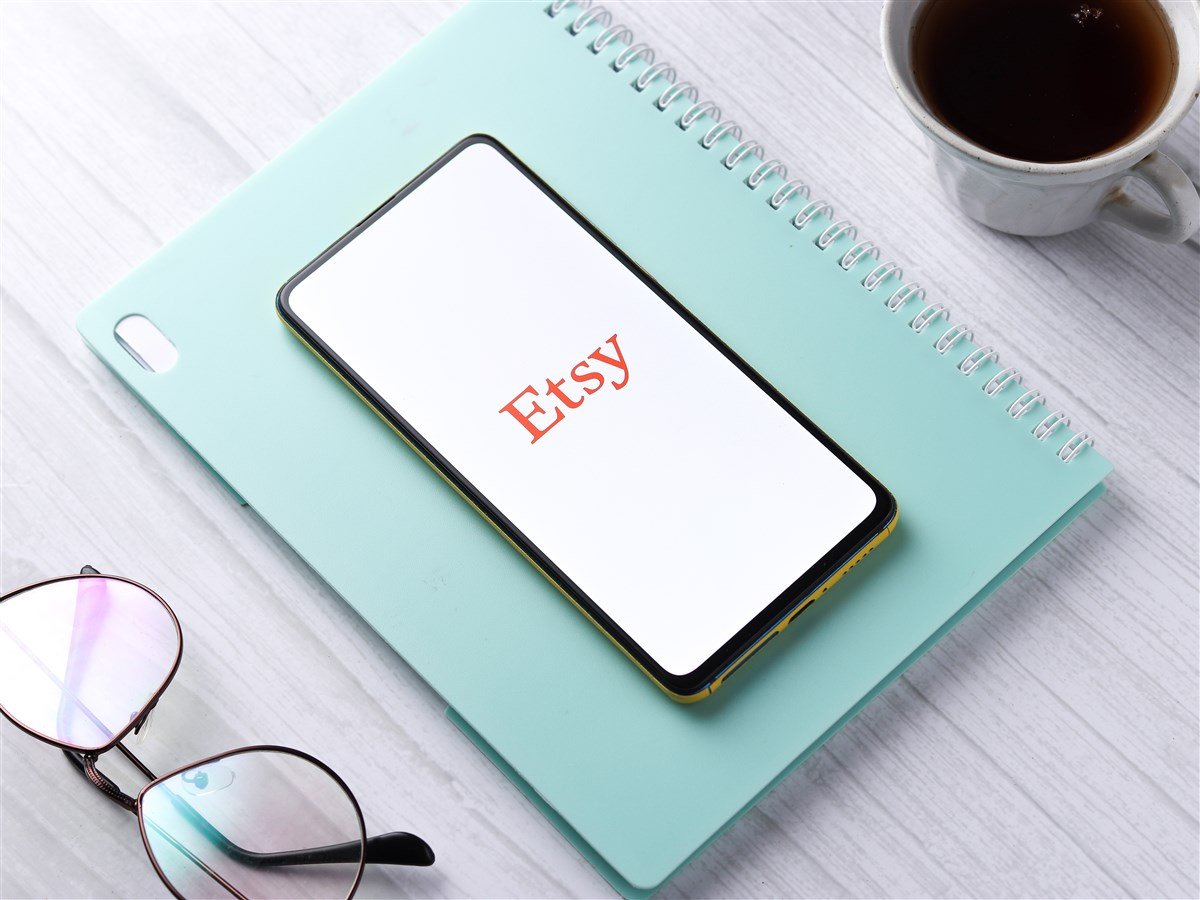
column 86, row 764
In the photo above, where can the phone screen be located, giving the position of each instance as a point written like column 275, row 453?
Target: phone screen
column 603, row 428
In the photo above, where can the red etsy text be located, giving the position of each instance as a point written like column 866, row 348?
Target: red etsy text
column 539, row 411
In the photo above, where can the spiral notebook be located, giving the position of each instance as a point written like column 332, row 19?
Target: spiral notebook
column 985, row 469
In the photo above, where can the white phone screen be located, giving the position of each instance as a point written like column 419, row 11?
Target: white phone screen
column 653, row 472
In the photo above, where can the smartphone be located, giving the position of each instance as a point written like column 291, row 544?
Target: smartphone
column 677, row 499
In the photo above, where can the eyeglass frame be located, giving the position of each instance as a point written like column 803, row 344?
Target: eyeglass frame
column 392, row 848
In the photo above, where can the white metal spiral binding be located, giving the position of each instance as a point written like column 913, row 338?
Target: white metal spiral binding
column 786, row 191
column 610, row 34
column 675, row 91
column 696, row 110
column 1051, row 424
column 928, row 316
column 953, row 335
column 904, row 293
column 741, row 151
column 1003, row 379
column 760, row 173
column 590, row 16
column 596, row 14
column 1025, row 402
column 977, row 358
column 1073, row 447
column 719, row 131
column 853, row 256
column 880, row 273
column 634, row 51
column 653, row 72
column 810, row 211
column 826, row 238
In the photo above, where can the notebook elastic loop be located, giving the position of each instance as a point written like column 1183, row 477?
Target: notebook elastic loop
column 904, row 293
column 1073, row 447
column 651, row 72
column 675, row 91
column 1025, row 402
column 880, row 273
column 596, row 14
column 977, row 358
column 786, row 191
column 835, row 231
column 738, row 153
column 610, row 34
column 928, row 315
column 760, row 173
column 1051, row 424
column 856, row 254
column 631, row 53
column 810, row 211
column 718, row 131
column 952, row 336
column 698, row 109
column 1003, row 379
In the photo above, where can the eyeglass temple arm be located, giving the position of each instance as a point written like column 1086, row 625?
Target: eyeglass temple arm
column 397, row 848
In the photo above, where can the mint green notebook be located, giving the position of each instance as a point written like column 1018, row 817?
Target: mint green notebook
column 639, row 784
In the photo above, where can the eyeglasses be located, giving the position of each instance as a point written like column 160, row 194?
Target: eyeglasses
column 83, row 661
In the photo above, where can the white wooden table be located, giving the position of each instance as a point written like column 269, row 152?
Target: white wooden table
column 1048, row 747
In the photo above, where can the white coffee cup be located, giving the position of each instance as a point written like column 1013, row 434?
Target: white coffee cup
column 1034, row 198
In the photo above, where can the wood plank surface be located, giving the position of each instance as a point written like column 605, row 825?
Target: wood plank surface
column 1048, row 747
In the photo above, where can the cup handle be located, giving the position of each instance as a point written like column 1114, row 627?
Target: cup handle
column 1171, row 183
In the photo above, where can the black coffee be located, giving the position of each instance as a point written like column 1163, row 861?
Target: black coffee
column 1044, row 80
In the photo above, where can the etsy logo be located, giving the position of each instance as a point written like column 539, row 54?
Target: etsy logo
column 587, row 377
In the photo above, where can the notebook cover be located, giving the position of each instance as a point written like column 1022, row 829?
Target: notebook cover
column 546, row 691
column 629, row 890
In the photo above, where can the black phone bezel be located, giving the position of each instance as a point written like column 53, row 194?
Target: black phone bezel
column 775, row 612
